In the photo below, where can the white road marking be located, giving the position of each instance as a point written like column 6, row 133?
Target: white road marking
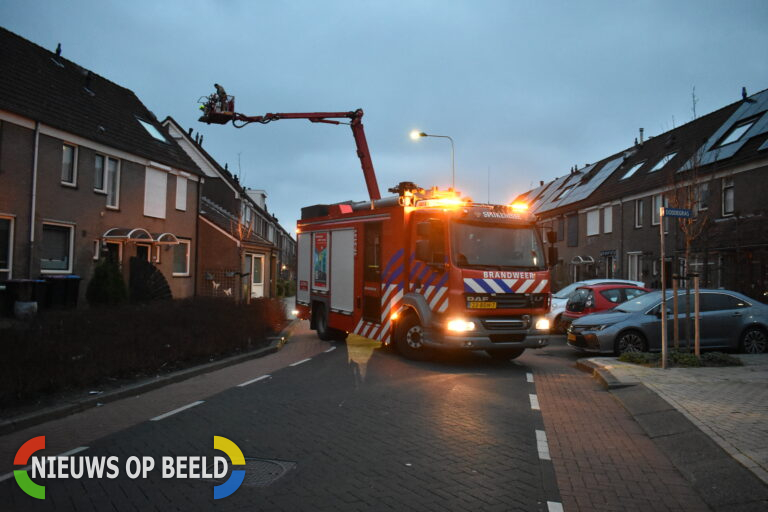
column 257, row 379
column 554, row 506
column 26, row 468
column 330, row 350
column 171, row 413
column 73, row 451
column 542, row 445
column 534, row 402
column 6, row 476
column 297, row 363
column 529, row 377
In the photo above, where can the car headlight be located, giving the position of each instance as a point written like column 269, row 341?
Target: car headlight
column 542, row 324
column 597, row 327
column 460, row 325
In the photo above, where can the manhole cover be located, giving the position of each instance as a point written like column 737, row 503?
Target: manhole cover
column 260, row 472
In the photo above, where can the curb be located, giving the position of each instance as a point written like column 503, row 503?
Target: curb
column 605, row 377
column 59, row 411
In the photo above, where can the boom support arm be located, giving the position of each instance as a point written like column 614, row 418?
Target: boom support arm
column 214, row 113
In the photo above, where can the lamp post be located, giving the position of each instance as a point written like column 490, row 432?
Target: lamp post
column 416, row 135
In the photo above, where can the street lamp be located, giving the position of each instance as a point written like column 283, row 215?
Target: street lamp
column 416, row 135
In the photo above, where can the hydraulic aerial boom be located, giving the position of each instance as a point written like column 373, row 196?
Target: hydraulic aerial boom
column 219, row 108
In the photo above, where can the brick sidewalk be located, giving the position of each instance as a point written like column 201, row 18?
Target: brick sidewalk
column 80, row 429
column 603, row 460
column 728, row 404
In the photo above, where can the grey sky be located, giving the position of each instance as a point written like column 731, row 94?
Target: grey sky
column 525, row 88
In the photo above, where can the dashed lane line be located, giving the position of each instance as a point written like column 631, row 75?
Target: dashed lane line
column 297, row 363
column 529, row 377
column 330, row 350
column 73, row 451
column 554, row 506
column 257, row 379
column 534, row 402
column 542, row 445
column 171, row 413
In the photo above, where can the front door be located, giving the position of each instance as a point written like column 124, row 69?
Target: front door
column 257, row 276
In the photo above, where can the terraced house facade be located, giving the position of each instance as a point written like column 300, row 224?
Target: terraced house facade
column 606, row 215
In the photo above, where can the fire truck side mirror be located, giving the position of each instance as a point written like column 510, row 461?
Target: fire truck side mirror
column 552, row 256
column 551, row 237
column 424, row 250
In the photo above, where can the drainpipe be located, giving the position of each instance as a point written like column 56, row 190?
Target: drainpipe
column 33, row 201
column 621, row 238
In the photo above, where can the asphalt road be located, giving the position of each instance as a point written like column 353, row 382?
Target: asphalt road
column 357, row 427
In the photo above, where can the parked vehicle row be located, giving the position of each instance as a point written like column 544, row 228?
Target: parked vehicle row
column 560, row 299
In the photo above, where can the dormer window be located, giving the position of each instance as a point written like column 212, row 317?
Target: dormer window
column 736, row 132
column 154, row 132
column 664, row 161
column 632, row 170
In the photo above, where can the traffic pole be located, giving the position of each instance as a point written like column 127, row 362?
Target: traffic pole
column 663, row 293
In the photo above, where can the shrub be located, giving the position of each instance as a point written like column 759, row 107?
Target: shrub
column 643, row 358
column 107, row 287
column 684, row 359
column 74, row 349
column 720, row 359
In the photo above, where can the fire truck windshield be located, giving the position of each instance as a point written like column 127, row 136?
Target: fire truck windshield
column 495, row 247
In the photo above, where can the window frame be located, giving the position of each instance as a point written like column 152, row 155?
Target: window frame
column 180, row 200
column 700, row 205
column 663, row 161
column 593, row 222
column 633, row 170
column 73, row 183
column 727, row 184
column 70, row 256
column 749, row 123
column 637, row 256
column 655, row 213
column 118, row 174
column 12, row 222
column 639, row 207
column 607, row 214
column 188, row 243
column 103, row 189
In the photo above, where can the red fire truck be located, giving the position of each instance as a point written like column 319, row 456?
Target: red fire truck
column 422, row 269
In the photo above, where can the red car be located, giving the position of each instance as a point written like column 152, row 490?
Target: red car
column 591, row 299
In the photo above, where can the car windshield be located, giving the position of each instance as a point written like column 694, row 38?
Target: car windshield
column 567, row 291
column 641, row 303
column 495, row 246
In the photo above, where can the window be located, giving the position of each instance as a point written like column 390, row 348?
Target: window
column 736, row 132
column 664, row 161
column 143, row 251
column 155, row 185
column 564, row 193
column 632, row 170
column 612, row 295
column 98, row 174
column 633, row 266
column 608, row 219
column 69, row 165
column 593, row 223
column 181, row 259
column 154, row 132
column 720, row 302
column 656, row 203
column 181, row 193
column 702, row 197
column 728, row 199
column 113, row 183
column 631, row 293
column 114, row 252
column 6, row 247
column 56, row 248
column 638, row 213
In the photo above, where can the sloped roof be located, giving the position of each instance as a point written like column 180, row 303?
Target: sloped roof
column 228, row 222
column 36, row 84
column 606, row 181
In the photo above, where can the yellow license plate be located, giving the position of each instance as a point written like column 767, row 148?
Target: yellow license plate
column 482, row 305
column 571, row 337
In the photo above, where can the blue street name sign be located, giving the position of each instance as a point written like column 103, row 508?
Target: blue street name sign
column 676, row 212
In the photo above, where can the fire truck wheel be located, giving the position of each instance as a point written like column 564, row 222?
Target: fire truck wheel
column 409, row 339
column 321, row 323
column 505, row 354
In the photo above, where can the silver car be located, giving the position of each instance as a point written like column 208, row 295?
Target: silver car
column 728, row 320
column 560, row 299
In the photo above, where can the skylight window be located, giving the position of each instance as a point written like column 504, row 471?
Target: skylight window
column 154, row 132
column 633, row 170
column 736, row 132
column 565, row 192
column 664, row 161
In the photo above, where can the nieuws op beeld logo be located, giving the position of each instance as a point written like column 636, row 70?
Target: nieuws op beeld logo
column 135, row 467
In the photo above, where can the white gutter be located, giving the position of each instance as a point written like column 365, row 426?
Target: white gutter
column 33, row 206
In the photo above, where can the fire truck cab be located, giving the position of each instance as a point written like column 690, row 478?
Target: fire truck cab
column 424, row 270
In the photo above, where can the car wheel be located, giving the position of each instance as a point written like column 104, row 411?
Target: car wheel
column 410, row 339
column 754, row 341
column 321, row 323
column 505, row 354
column 630, row 341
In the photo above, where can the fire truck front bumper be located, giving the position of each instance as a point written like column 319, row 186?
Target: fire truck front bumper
column 483, row 334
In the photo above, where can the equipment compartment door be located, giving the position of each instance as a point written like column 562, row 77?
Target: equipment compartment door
column 342, row 270
column 305, row 266
column 372, row 272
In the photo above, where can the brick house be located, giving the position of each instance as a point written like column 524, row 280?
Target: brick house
column 87, row 171
column 243, row 248
column 606, row 214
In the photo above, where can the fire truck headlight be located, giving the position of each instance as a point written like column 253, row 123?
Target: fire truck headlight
column 461, row 325
column 542, row 324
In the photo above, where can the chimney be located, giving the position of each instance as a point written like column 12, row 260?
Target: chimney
column 541, row 183
column 641, row 135
column 190, row 131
